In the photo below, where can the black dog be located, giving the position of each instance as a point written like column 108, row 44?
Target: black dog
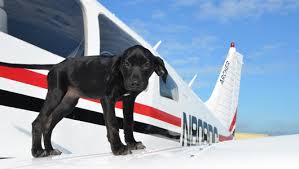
column 99, row 77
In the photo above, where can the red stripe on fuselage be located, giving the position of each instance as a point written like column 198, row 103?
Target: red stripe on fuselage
column 40, row 80
column 24, row 76
column 225, row 138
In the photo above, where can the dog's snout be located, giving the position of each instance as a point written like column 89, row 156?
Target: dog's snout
column 135, row 84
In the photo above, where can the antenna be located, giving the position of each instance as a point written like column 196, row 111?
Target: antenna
column 192, row 81
column 157, row 45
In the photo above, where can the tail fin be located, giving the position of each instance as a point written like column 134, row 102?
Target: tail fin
column 224, row 99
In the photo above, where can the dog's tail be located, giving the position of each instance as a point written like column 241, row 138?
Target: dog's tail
column 28, row 66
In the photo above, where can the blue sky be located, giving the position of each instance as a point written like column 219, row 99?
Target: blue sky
column 196, row 35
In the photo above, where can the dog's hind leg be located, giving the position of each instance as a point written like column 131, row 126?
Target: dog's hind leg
column 66, row 106
column 52, row 100
column 54, row 96
column 105, row 118
column 37, row 150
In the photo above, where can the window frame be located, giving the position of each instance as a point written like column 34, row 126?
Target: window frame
column 175, row 99
column 117, row 26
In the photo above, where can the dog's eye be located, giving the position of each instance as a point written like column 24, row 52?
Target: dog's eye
column 146, row 65
column 127, row 64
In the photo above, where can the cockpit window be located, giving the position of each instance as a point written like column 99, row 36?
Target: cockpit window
column 113, row 40
column 169, row 89
column 56, row 26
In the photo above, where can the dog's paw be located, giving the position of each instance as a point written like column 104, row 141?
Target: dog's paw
column 37, row 153
column 54, row 152
column 136, row 146
column 121, row 150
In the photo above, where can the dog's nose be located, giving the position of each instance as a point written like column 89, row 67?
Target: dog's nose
column 135, row 84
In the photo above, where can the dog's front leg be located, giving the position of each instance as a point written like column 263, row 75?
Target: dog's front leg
column 117, row 147
column 128, row 111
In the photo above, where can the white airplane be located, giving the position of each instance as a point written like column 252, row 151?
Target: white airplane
column 169, row 118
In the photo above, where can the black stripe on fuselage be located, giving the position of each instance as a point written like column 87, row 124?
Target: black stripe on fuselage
column 3, row 158
column 25, row 102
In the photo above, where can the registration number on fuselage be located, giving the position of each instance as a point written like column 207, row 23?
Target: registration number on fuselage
column 196, row 131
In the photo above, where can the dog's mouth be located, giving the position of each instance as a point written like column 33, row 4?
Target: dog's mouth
column 134, row 86
column 135, row 89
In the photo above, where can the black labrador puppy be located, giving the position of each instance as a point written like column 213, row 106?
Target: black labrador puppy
column 98, row 77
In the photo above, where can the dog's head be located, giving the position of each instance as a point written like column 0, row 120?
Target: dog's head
column 137, row 65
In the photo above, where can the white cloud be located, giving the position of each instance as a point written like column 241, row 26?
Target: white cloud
column 158, row 14
column 273, row 46
column 210, row 69
column 172, row 28
column 141, row 28
column 269, row 68
column 202, row 44
column 139, row 2
column 205, row 42
column 153, row 29
column 190, row 70
column 185, row 61
column 172, row 52
column 135, row 2
column 238, row 9
column 265, row 50
column 181, row 3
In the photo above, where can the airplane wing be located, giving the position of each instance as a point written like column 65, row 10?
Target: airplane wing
column 271, row 152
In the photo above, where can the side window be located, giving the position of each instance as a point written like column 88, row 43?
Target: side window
column 113, row 40
column 56, row 26
column 169, row 89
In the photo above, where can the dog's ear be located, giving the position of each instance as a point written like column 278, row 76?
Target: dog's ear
column 116, row 65
column 160, row 68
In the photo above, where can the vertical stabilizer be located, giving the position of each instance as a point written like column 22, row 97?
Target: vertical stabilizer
column 224, row 99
